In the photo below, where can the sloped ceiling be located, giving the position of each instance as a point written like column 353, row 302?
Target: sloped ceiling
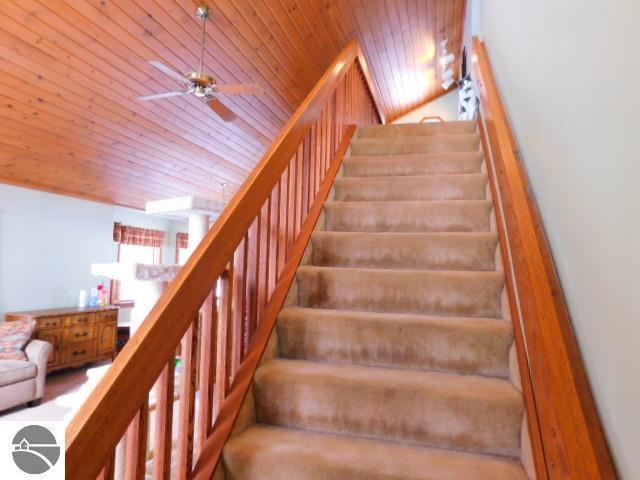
column 71, row 70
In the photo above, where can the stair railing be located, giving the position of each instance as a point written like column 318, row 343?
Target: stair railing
column 566, row 435
column 249, row 258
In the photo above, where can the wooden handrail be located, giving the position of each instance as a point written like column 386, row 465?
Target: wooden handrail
column 566, row 434
column 255, row 238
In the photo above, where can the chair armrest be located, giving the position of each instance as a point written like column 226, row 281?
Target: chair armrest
column 38, row 352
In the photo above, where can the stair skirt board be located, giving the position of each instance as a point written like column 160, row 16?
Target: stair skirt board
column 393, row 355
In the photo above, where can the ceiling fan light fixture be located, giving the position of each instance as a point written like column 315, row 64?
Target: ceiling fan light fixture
column 203, row 85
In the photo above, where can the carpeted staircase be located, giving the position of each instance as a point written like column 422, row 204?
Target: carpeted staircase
column 393, row 360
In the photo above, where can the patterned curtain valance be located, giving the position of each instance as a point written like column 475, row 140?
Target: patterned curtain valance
column 137, row 236
column 182, row 240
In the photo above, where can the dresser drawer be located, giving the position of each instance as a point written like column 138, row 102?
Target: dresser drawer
column 49, row 322
column 108, row 316
column 85, row 319
column 80, row 351
column 79, row 333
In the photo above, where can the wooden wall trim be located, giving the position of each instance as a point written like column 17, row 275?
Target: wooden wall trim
column 108, row 411
column 572, row 439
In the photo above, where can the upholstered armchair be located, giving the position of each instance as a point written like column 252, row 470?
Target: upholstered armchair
column 22, row 381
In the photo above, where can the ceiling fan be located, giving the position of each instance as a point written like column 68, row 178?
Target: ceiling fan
column 201, row 84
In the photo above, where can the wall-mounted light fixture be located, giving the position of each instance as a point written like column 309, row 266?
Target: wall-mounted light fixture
column 446, row 59
column 447, row 83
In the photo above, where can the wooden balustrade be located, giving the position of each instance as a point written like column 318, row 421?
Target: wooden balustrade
column 220, row 310
column 566, row 434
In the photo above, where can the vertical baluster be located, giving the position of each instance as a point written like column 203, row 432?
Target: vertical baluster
column 274, row 228
column 252, row 284
column 312, row 163
column 323, row 145
column 239, row 279
column 136, row 445
column 291, row 207
column 298, row 186
column 337, row 119
column 318, row 157
column 222, row 335
column 188, row 354
column 334, row 136
column 306, row 177
column 263, row 269
column 162, row 445
column 108, row 472
column 282, row 232
column 327, row 140
column 207, row 365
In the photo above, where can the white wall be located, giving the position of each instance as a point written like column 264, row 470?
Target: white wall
column 446, row 107
column 569, row 75
column 48, row 242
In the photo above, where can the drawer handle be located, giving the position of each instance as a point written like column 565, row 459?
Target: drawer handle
column 79, row 352
column 78, row 335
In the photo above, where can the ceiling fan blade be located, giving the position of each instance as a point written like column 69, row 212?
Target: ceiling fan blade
column 168, row 71
column 161, row 95
column 222, row 110
column 249, row 88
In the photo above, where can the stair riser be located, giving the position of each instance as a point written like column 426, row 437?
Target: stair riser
column 445, row 163
column 273, row 453
column 424, row 414
column 458, row 346
column 467, row 294
column 413, row 130
column 436, row 187
column 412, row 145
column 405, row 251
column 455, row 216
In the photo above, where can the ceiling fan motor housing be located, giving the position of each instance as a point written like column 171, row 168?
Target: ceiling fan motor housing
column 203, row 11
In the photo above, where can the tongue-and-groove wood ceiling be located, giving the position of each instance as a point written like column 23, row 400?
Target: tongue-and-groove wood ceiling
column 70, row 72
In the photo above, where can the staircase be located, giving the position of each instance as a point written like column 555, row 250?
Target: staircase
column 392, row 357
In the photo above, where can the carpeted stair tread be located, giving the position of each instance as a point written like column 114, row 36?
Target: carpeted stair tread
column 453, row 293
column 475, row 346
column 274, row 453
column 415, row 129
column 414, row 251
column 425, row 187
column 416, row 164
column 429, row 216
column 462, row 412
column 458, row 142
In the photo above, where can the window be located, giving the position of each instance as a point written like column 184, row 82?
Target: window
column 182, row 241
column 135, row 245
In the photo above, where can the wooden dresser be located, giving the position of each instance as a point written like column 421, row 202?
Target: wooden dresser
column 78, row 335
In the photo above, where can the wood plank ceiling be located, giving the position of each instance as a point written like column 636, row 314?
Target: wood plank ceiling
column 71, row 71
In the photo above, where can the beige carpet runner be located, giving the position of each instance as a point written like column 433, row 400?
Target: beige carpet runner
column 394, row 364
